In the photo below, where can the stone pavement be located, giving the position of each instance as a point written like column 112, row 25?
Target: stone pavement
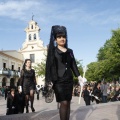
column 49, row 111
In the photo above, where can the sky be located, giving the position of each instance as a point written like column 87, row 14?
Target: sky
column 89, row 23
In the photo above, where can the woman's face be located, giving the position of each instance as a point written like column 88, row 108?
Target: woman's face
column 28, row 63
column 12, row 93
column 61, row 40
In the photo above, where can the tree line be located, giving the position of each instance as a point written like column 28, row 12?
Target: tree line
column 107, row 66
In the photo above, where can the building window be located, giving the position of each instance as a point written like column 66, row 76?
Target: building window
column 19, row 69
column 31, row 26
column 34, row 36
column 30, row 37
column 4, row 65
column 32, row 57
column 12, row 67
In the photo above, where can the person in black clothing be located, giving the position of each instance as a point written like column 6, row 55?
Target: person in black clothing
column 97, row 92
column 38, row 91
column 86, row 95
column 20, row 101
column 28, row 83
column 6, row 92
column 12, row 103
column 59, row 67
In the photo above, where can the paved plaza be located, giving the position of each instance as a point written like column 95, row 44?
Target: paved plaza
column 49, row 111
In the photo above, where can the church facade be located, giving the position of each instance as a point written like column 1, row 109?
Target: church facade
column 32, row 48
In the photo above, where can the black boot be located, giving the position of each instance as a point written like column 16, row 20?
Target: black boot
column 32, row 108
column 27, row 110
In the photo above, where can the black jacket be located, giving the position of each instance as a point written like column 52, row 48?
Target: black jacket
column 11, row 101
column 61, row 63
column 66, row 62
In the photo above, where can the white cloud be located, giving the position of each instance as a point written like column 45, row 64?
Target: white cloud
column 47, row 12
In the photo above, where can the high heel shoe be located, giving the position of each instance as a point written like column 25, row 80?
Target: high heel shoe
column 32, row 108
column 27, row 111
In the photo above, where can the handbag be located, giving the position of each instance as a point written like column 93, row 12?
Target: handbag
column 49, row 96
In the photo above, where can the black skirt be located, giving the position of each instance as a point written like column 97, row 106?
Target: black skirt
column 63, row 92
column 27, row 89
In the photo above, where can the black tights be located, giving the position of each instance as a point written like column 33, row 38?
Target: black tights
column 64, row 110
column 31, row 98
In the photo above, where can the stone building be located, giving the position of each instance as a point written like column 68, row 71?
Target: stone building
column 11, row 61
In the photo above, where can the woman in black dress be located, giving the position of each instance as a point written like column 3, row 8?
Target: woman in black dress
column 28, row 83
column 59, row 67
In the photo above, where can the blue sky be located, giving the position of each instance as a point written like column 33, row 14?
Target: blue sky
column 88, row 22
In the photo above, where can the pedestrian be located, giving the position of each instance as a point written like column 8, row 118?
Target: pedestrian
column 59, row 67
column 12, row 103
column 6, row 92
column 28, row 83
column 3, row 91
column 97, row 92
column 38, row 91
column 86, row 95
column 104, row 88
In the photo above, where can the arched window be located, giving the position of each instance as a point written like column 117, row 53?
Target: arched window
column 34, row 36
column 31, row 26
column 12, row 82
column 4, row 80
column 29, row 36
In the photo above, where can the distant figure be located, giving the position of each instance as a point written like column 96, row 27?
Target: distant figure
column 86, row 95
column 104, row 88
column 38, row 91
column 97, row 92
column 6, row 92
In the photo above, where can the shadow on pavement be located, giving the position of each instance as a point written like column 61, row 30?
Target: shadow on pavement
column 82, row 113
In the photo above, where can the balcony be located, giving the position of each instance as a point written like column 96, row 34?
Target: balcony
column 4, row 71
column 12, row 73
column 9, row 73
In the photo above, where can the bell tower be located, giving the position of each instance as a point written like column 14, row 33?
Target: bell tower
column 32, row 32
column 33, row 47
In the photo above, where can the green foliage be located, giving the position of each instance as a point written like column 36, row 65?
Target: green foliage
column 108, row 63
column 40, row 68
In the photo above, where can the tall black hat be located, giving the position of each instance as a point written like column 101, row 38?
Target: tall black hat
column 57, row 30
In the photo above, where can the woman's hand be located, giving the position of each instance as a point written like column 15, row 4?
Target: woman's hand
column 20, row 89
column 81, row 80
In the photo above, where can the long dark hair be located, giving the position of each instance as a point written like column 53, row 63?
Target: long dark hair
column 24, row 65
column 51, row 73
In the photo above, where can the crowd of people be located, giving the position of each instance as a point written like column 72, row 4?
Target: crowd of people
column 100, row 92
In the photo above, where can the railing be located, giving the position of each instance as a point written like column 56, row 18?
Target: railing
column 4, row 71
column 8, row 72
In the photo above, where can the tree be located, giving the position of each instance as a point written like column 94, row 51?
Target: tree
column 108, row 63
column 40, row 68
